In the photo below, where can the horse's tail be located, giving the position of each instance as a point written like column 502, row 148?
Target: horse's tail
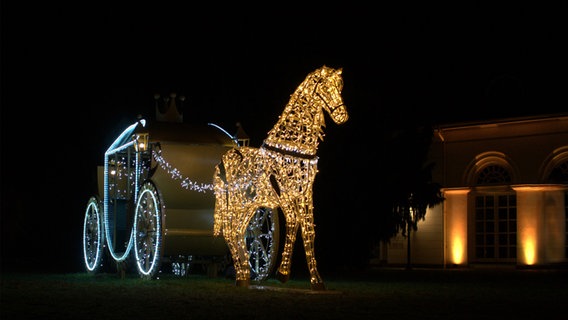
column 221, row 198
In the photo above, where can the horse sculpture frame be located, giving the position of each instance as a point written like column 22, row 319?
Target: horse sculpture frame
column 279, row 174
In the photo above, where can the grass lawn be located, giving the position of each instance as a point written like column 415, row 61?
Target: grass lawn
column 376, row 294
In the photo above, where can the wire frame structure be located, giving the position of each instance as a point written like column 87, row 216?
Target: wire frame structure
column 279, row 175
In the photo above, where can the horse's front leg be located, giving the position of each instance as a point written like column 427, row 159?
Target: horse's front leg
column 308, row 237
column 283, row 274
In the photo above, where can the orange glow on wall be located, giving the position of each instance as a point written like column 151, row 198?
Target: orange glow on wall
column 456, row 225
column 529, row 248
column 457, row 250
column 529, row 204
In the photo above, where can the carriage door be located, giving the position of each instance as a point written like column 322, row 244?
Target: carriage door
column 120, row 198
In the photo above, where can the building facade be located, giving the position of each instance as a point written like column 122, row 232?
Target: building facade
column 505, row 185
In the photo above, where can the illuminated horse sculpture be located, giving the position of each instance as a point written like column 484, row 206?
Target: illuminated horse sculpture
column 279, row 174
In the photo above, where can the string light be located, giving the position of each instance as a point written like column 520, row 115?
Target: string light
column 279, row 174
column 175, row 174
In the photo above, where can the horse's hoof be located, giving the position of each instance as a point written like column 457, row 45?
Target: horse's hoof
column 282, row 277
column 318, row 286
column 242, row 283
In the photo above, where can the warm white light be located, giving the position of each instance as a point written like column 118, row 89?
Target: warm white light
column 279, row 174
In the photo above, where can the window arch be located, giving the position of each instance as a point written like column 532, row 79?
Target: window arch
column 493, row 174
column 490, row 169
column 556, row 167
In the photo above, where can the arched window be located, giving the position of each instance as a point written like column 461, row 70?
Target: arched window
column 493, row 174
column 491, row 168
column 495, row 209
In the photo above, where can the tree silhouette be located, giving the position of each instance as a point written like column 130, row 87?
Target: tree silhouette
column 412, row 190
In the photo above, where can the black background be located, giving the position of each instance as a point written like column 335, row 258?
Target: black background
column 75, row 75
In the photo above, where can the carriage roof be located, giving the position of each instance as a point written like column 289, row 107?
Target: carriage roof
column 186, row 133
column 172, row 132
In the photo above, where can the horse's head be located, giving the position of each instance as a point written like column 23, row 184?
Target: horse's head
column 300, row 127
column 328, row 89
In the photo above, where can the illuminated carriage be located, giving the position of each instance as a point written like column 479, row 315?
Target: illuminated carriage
column 155, row 204
column 147, row 207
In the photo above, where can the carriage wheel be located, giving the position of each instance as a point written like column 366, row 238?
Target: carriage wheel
column 93, row 235
column 262, row 242
column 148, row 231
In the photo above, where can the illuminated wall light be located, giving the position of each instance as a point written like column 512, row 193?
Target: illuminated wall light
column 280, row 174
column 457, row 250
column 529, row 205
column 529, row 250
column 456, row 225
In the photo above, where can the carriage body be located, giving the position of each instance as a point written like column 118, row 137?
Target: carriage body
column 193, row 151
column 173, row 165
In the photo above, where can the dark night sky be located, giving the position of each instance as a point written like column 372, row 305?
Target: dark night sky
column 73, row 76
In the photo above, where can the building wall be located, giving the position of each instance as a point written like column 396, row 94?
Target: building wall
column 426, row 244
column 528, row 150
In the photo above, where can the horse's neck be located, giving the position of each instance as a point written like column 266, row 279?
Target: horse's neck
column 299, row 128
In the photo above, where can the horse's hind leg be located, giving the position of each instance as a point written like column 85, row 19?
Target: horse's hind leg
column 235, row 241
column 242, row 266
column 233, row 247
column 240, row 252
column 308, row 237
column 283, row 274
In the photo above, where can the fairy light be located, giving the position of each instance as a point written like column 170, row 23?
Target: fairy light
column 279, row 174
column 123, row 142
column 175, row 174
column 92, row 235
column 147, row 230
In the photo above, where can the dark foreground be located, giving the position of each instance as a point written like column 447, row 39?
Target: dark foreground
column 377, row 294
